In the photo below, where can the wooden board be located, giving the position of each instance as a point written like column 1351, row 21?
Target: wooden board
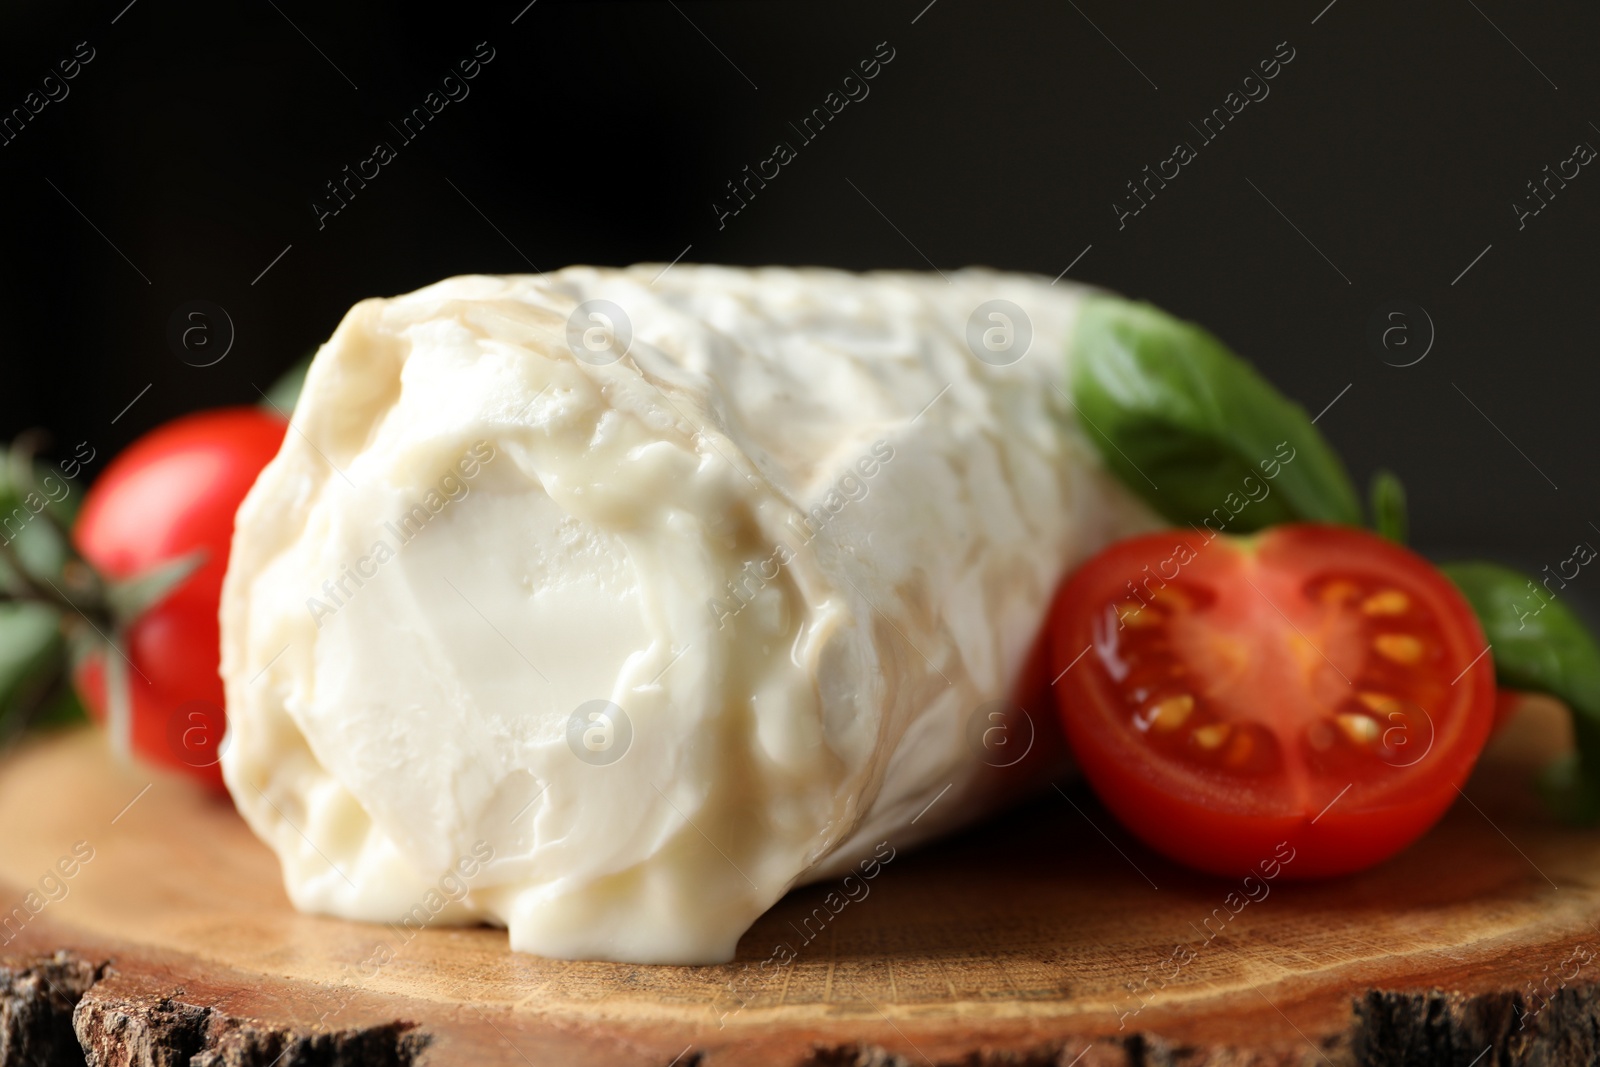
column 1015, row 943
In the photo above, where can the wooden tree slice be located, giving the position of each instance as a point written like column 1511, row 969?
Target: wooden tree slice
column 1016, row 943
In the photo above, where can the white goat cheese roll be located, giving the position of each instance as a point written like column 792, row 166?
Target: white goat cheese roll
column 608, row 605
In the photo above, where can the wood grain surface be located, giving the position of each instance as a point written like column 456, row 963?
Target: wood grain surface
column 1045, row 936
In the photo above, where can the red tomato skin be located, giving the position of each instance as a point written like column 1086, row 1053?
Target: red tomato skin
column 172, row 491
column 1235, row 845
column 1224, row 839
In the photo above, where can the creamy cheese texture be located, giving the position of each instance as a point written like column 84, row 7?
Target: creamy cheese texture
column 609, row 604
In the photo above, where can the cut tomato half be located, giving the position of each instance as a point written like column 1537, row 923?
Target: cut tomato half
column 1313, row 684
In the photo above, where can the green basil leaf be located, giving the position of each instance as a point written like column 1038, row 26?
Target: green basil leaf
column 1540, row 644
column 1183, row 422
column 1388, row 497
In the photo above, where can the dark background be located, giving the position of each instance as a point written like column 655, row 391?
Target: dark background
column 192, row 145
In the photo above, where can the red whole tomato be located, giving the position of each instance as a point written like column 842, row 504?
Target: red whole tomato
column 171, row 492
column 1315, row 685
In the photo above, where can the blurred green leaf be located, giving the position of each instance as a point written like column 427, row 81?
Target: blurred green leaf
column 1388, row 497
column 33, row 657
column 1541, row 645
column 27, row 634
column 25, row 519
column 284, row 393
column 131, row 598
column 38, row 503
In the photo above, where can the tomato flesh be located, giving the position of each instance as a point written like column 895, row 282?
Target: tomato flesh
column 1314, row 685
column 170, row 492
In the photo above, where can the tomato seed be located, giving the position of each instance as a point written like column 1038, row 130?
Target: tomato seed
column 1338, row 591
column 1387, row 602
column 1169, row 714
column 1358, row 728
column 1382, row 703
column 1401, row 648
column 1140, row 618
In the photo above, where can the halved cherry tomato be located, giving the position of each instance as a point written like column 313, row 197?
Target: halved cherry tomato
column 169, row 493
column 1315, row 685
